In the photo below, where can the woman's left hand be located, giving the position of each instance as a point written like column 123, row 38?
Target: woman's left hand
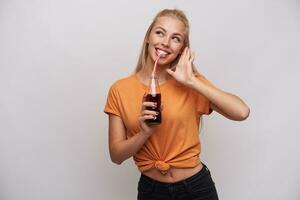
column 184, row 71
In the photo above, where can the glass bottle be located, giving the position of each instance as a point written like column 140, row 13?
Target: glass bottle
column 153, row 95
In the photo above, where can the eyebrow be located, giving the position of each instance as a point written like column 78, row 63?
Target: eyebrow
column 166, row 31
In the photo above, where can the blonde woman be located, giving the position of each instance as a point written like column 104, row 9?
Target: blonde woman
column 167, row 155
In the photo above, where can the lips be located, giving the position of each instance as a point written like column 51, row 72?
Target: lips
column 163, row 53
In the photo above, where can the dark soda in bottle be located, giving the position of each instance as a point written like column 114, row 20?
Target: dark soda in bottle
column 153, row 95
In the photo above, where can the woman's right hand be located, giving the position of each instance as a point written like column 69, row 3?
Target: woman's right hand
column 147, row 114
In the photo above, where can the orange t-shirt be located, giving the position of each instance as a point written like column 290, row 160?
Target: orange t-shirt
column 175, row 143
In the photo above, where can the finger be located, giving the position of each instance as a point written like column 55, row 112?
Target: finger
column 183, row 50
column 184, row 54
column 189, row 54
column 149, row 112
column 192, row 58
column 145, row 117
column 182, row 57
column 149, row 104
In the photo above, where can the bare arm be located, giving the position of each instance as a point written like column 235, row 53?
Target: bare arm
column 228, row 105
column 121, row 148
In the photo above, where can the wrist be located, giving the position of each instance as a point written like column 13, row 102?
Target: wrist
column 146, row 133
column 192, row 82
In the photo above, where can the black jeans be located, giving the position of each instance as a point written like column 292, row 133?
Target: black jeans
column 197, row 187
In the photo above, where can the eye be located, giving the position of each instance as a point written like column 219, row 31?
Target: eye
column 176, row 39
column 159, row 33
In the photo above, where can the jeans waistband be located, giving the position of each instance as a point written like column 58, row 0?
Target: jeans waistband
column 182, row 183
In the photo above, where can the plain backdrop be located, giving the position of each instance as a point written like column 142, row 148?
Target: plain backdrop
column 58, row 59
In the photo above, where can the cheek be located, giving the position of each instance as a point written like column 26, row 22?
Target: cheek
column 153, row 39
column 178, row 49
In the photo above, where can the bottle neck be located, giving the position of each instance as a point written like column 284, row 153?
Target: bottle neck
column 146, row 77
column 153, row 85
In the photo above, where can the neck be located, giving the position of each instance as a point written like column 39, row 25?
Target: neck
column 161, row 74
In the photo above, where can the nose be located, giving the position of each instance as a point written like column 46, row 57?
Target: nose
column 165, row 41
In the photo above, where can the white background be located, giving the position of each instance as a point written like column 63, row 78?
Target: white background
column 58, row 59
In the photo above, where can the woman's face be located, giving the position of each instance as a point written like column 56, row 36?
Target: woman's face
column 166, row 37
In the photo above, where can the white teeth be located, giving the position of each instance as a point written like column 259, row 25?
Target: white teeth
column 161, row 52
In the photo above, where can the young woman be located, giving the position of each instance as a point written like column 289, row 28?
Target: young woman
column 167, row 154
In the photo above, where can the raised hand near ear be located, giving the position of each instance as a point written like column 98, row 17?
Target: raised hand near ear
column 184, row 71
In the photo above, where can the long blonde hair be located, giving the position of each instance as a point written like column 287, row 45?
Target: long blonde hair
column 174, row 13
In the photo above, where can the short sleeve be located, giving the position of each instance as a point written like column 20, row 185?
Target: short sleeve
column 112, row 105
column 203, row 104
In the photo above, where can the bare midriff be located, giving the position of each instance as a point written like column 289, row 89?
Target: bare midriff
column 173, row 174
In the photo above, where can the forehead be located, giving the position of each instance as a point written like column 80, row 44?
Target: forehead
column 170, row 24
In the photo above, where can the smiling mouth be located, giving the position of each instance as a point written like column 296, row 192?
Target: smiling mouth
column 161, row 53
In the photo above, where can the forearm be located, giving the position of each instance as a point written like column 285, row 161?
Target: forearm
column 122, row 150
column 229, row 105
